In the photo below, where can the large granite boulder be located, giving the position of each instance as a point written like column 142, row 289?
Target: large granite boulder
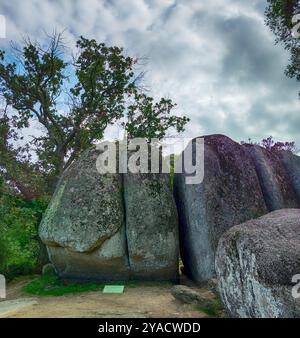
column 151, row 226
column 274, row 180
column 83, row 226
column 91, row 236
column 229, row 195
column 255, row 264
column 291, row 163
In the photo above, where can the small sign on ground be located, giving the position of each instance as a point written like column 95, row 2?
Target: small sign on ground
column 113, row 289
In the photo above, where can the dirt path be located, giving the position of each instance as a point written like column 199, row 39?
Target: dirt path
column 142, row 302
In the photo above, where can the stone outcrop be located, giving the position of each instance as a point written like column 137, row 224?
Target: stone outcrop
column 291, row 163
column 203, row 299
column 229, row 194
column 91, row 235
column 255, row 264
column 189, row 295
column 150, row 217
column 274, row 179
column 122, row 226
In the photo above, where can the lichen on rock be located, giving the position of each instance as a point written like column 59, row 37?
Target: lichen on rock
column 255, row 264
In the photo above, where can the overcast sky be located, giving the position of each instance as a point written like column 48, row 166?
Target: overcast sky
column 216, row 58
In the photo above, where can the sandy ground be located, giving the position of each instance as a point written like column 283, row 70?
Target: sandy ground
column 138, row 302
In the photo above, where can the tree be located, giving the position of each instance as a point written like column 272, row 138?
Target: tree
column 72, row 101
column 15, row 167
column 279, row 17
column 147, row 119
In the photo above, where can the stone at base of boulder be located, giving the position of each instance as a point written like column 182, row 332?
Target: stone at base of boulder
column 190, row 296
column 86, row 267
column 167, row 273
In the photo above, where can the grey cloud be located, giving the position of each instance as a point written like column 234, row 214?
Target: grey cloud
column 216, row 59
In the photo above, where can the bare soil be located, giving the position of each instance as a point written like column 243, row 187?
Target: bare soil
column 137, row 302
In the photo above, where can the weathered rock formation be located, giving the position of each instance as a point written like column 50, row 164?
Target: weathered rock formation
column 151, row 214
column 241, row 182
column 229, row 194
column 107, row 227
column 276, row 185
column 291, row 163
column 190, row 295
column 255, row 264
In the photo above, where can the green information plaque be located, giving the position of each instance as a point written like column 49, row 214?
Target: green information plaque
column 113, row 289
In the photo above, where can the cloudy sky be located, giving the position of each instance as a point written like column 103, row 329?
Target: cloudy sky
column 216, row 59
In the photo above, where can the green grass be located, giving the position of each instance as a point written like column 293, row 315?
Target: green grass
column 212, row 309
column 54, row 286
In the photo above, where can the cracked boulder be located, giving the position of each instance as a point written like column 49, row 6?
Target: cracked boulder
column 275, row 180
column 83, row 227
column 151, row 226
column 89, row 235
column 291, row 163
column 229, row 195
column 256, row 263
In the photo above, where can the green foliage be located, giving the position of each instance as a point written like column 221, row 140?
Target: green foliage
column 73, row 101
column 54, row 286
column 51, row 285
column 19, row 221
column 49, row 270
column 3, row 252
column 279, row 14
column 150, row 120
column 173, row 158
column 212, row 308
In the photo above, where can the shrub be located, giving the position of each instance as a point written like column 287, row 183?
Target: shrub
column 270, row 144
column 19, row 221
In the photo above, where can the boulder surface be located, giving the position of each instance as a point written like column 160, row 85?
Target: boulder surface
column 291, row 163
column 90, row 235
column 83, row 226
column 153, row 246
column 255, row 264
column 275, row 182
column 229, row 195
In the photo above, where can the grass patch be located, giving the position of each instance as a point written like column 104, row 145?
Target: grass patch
column 212, row 309
column 54, row 286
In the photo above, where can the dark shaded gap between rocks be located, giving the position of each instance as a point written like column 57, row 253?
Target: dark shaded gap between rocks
column 264, row 189
column 125, row 222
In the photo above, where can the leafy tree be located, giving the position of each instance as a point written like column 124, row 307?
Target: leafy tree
column 16, row 168
column 72, row 102
column 279, row 17
column 149, row 119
